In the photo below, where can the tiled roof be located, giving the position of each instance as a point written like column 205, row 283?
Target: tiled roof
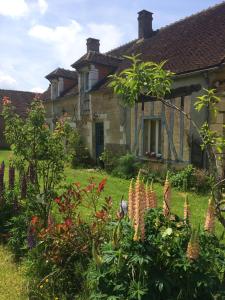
column 194, row 43
column 59, row 72
column 21, row 100
column 98, row 58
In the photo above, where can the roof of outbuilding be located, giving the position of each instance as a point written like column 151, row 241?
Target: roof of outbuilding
column 60, row 72
column 20, row 99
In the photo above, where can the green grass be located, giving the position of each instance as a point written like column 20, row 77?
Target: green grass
column 12, row 279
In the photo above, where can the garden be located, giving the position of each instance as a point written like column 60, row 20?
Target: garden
column 70, row 230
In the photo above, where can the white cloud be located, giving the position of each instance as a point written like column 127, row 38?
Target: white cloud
column 13, row 8
column 68, row 43
column 6, row 81
column 43, row 6
column 37, row 90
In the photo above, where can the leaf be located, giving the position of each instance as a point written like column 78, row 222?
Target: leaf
column 167, row 232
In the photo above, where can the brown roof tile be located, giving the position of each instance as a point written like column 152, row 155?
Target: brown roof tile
column 20, row 99
column 60, row 72
column 98, row 58
column 194, row 43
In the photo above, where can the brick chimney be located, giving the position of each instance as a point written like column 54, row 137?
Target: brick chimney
column 93, row 45
column 145, row 24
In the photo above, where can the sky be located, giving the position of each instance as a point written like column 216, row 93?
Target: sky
column 37, row 36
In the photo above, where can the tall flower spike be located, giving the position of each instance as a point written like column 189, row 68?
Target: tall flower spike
column 139, row 209
column 147, row 198
column 152, row 197
column 210, row 216
column 166, row 197
column 187, row 213
column 131, row 200
column 193, row 249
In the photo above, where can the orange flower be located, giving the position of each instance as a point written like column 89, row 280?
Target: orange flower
column 102, row 185
column 6, row 100
column 193, row 249
column 167, row 197
column 34, row 220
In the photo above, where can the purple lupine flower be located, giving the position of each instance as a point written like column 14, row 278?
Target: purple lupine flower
column 31, row 238
column 11, row 177
column 24, row 187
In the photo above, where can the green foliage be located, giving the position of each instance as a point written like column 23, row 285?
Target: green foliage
column 57, row 265
column 146, row 78
column 109, row 160
column 39, row 153
column 158, row 267
column 127, row 167
column 80, row 155
column 191, row 178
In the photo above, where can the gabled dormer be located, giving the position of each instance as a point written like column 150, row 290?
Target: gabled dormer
column 92, row 68
column 61, row 80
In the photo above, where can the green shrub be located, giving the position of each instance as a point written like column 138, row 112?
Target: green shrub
column 80, row 155
column 158, row 267
column 57, row 265
column 109, row 160
column 127, row 167
column 191, row 178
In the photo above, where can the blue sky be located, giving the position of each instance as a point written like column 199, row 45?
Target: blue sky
column 37, row 36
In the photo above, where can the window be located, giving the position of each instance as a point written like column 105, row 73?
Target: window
column 54, row 89
column 86, row 81
column 152, row 137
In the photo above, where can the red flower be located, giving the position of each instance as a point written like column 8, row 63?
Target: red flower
column 102, row 185
column 68, row 222
column 90, row 187
column 101, row 214
column 6, row 100
column 34, row 220
column 58, row 200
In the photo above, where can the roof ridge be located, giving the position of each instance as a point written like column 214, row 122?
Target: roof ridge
column 192, row 15
column 121, row 46
column 19, row 91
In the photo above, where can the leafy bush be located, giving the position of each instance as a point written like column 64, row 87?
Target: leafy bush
column 80, row 155
column 157, row 268
column 58, row 263
column 127, row 167
column 191, row 178
column 110, row 160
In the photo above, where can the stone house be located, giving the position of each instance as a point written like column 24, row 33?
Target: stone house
column 194, row 49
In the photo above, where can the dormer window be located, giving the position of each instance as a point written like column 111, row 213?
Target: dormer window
column 54, row 89
column 86, row 81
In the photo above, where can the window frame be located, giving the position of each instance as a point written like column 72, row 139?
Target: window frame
column 158, row 134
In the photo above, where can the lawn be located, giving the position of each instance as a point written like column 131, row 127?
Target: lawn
column 12, row 280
